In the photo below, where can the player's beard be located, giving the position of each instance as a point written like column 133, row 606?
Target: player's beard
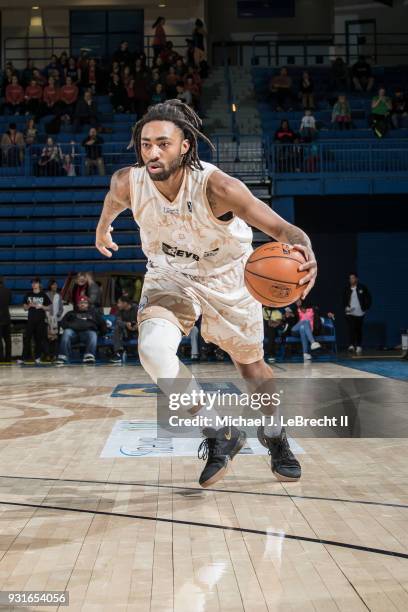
column 173, row 166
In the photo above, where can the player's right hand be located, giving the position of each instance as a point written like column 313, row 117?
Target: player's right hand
column 103, row 242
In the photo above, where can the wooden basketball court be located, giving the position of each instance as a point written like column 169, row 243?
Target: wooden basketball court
column 136, row 533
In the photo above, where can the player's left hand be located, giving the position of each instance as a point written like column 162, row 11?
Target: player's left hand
column 310, row 266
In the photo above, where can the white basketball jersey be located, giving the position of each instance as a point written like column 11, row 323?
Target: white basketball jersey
column 184, row 235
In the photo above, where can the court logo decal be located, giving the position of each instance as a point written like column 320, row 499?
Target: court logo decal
column 137, row 438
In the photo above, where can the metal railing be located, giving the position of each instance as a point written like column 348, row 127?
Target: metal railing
column 249, row 157
column 40, row 48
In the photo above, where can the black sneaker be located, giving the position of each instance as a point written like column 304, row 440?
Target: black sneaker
column 116, row 358
column 219, row 447
column 284, row 464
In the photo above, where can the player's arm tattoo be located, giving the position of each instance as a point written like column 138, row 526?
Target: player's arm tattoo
column 292, row 234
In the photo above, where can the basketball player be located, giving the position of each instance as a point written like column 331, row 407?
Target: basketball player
column 194, row 227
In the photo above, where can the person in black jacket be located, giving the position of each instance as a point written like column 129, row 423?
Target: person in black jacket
column 125, row 326
column 356, row 301
column 81, row 325
column 5, row 301
column 37, row 303
column 86, row 112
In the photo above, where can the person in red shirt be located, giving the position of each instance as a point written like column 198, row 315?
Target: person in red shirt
column 33, row 97
column 14, row 97
column 159, row 40
column 68, row 97
column 51, row 97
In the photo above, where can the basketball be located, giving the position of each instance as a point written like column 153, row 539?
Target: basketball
column 272, row 276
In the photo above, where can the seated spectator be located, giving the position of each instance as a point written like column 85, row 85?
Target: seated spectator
column 181, row 68
column 82, row 325
column 7, row 80
column 171, row 80
column 399, row 108
column 362, row 75
column 169, row 56
column 305, row 329
column 33, row 98
column 12, row 146
column 126, row 76
column 30, row 133
column 51, row 97
column 28, row 73
column 14, row 97
column 341, row 115
column 50, row 162
column 53, row 69
column 340, row 75
column 5, row 322
column 122, row 55
column 308, row 129
column 281, row 87
column 198, row 38
column 86, row 112
column 117, row 94
column 73, row 72
column 289, row 157
column 92, row 77
column 183, row 95
column 68, row 165
column 131, row 96
column 68, row 97
column 190, row 86
column 54, row 316
column 85, row 285
column 273, row 319
column 39, row 78
column 37, row 303
column 158, row 94
column 284, row 134
column 115, row 70
column 381, row 107
column 93, row 153
column 63, row 63
column 125, row 326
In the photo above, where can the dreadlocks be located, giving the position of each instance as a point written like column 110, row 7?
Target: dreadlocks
column 185, row 118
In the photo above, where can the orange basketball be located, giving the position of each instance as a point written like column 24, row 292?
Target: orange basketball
column 272, row 276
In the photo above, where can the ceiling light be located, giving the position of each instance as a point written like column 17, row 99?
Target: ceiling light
column 162, row 5
column 35, row 8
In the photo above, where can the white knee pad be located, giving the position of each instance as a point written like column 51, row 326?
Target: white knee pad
column 158, row 343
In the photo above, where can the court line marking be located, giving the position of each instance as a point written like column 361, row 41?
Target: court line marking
column 201, row 490
column 160, row 519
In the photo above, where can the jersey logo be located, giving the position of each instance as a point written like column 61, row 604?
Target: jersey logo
column 176, row 252
column 190, row 206
column 170, row 211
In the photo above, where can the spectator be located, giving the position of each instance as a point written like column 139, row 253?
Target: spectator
column 288, row 158
column 142, row 89
column 158, row 94
column 122, row 55
column 169, row 56
column 159, row 39
column 125, row 326
column 68, row 96
column 63, row 62
column 73, row 71
column 198, row 36
column 181, row 68
column 12, row 146
column 5, row 322
column 189, row 85
column 399, row 108
column 117, row 94
column 50, row 162
column 306, row 91
column 7, row 80
column 381, row 107
column 83, row 60
column 362, row 75
column 308, row 130
column 81, row 325
column 281, row 86
column 126, row 76
column 341, row 115
column 171, row 81
column 305, row 329
column 14, row 97
column 131, row 96
column 273, row 319
column 30, row 133
column 68, row 165
column 51, row 96
column 86, row 112
column 33, row 98
column 93, row 152
column 340, row 75
column 54, row 317
column 39, row 78
column 53, row 69
column 28, row 73
column 356, row 301
column 183, row 95
column 85, row 285
column 192, row 72
column 91, row 77
column 37, row 303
